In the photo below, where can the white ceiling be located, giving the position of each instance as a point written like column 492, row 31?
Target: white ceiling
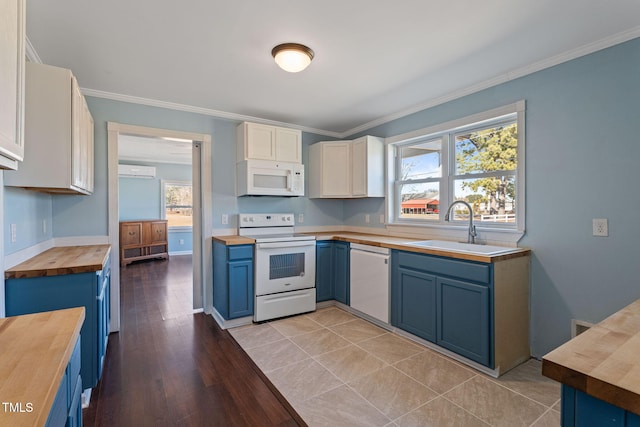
column 153, row 150
column 374, row 61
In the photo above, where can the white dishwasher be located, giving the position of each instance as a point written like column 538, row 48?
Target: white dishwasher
column 369, row 276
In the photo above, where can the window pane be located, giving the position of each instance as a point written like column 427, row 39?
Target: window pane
column 492, row 199
column 420, row 201
column 179, row 205
column 487, row 150
column 421, row 160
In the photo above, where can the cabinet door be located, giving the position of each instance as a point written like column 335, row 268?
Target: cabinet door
column 158, row 232
column 288, row 145
column 413, row 298
column 240, row 274
column 78, row 149
column 463, row 319
column 336, row 169
column 261, row 142
column 324, row 271
column 341, row 272
column 359, row 168
column 12, row 20
column 131, row 233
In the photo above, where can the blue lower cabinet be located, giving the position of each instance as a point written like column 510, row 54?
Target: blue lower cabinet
column 463, row 319
column 341, row 272
column 66, row 410
column 581, row 410
column 88, row 290
column 324, row 271
column 233, row 280
column 413, row 302
column 445, row 301
column 332, row 271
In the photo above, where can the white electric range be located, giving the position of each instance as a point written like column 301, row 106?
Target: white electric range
column 285, row 265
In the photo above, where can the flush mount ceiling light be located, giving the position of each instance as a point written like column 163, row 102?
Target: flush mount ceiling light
column 292, row 57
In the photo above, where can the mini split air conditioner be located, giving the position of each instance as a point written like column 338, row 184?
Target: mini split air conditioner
column 136, row 171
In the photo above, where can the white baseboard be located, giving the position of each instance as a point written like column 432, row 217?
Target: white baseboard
column 180, row 253
column 234, row 323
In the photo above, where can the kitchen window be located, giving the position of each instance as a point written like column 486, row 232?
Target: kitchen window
column 177, row 200
column 478, row 159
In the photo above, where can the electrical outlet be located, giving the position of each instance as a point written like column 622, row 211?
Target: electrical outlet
column 181, row 241
column 225, row 219
column 367, row 218
column 600, row 227
column 300, row 218
column 381, row 218
column 14, row 233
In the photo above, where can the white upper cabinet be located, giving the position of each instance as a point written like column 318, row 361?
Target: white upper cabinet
column 330, row 169
column 347, row 169
column 12, row 39
column 59, row 155
column 367, row 167
column 264, row 142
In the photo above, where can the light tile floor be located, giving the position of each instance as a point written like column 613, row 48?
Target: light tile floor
column 339, row 370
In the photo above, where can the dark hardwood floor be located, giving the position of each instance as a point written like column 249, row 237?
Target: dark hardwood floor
column 170, row 367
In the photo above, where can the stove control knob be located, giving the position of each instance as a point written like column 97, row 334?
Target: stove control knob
column 250, row 219
column 288, row 218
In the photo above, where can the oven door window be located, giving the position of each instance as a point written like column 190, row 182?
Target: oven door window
column 286, row 265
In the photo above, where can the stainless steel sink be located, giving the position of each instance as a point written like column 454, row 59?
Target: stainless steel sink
column 469, row 248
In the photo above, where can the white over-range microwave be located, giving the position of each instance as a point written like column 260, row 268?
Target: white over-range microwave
column 269, row 178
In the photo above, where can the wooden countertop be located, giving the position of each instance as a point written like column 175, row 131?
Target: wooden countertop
column 390, row 243
column 62, row 260
column 234, row 240
column 36, row 349
column 603, row 361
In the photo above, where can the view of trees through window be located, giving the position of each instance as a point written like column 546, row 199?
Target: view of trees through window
column 485, row 168
column 482, row 173
column 178, row 204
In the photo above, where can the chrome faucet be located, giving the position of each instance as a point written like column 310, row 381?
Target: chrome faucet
column 472, row 228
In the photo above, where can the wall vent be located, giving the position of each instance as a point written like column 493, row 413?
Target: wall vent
column 578, row 327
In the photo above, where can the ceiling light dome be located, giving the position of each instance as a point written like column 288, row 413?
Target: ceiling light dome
column 292, row 57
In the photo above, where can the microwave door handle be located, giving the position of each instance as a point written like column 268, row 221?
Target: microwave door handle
column 289, row 181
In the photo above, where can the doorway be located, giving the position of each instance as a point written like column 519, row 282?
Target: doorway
column 201, row 206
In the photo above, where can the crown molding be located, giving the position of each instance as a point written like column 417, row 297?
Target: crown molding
column 30, row 52
column 511, row 75
column 199, row 110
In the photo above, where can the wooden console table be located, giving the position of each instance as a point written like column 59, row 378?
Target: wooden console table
column 143, row 240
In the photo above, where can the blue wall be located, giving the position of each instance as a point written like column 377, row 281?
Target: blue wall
column 582, row 154
column 581, row 128
column 27, row 210
column 140, row 198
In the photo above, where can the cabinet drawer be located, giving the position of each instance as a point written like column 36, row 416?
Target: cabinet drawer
column 467, row 270
column 240, row 252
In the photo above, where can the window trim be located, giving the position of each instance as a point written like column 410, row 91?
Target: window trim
column 163, row 199
column 443, row 130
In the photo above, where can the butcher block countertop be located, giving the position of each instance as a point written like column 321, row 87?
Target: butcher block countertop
column 36, row 349
column 62, row 260
column 604, row 361
column 234, row 240
column 389, row 242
